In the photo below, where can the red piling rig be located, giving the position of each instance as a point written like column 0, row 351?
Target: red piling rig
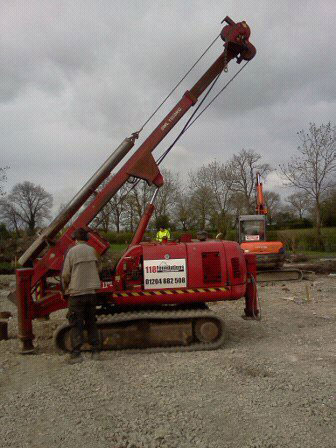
column 140, row 165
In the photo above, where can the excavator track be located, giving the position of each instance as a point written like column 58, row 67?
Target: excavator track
column 280, row 275
column 154, row 331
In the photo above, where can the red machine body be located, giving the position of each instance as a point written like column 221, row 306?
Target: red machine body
column 152, row 273
column 148, row 273
column 162, row 273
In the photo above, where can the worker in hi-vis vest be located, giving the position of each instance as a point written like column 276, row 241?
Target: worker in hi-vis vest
column 162, row 234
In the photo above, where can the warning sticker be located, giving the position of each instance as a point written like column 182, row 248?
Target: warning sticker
column 161, row 274
column 252, row 238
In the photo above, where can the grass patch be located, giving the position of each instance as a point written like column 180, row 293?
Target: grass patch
column 118, row 247
column 313, row 255
column 305, row 240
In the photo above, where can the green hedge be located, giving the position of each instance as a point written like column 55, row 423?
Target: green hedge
column 117, row 237
column 294, row 239
column 304, row 239
column 126, row 237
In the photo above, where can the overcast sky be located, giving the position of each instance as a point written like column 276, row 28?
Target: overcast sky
column 79, row 76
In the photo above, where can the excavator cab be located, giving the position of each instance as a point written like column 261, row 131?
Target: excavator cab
column 252, row 228
column 252, row 239
column 252, row 235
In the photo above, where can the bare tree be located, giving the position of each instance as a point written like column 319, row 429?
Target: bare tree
column 117, row 206
column 237, row 206
column 313, row 171
column 28, row 204
column 244, row 167
column 185, row 214
column 165, row 201
column 139, row 197
column 201, row 200
column 3, row 179
column 9, row 215
column 201, row 195
column 130, row 218
column 218, row 179
column 221, row 181
column 300, row 203
column 273, row 204
column 112, row 213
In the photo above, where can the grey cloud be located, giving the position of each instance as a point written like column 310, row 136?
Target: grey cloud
column 77, row 77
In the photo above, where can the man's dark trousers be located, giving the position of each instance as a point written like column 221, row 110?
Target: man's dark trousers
column 82, row 315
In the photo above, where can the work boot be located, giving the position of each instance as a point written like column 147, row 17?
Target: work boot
column 75, row 358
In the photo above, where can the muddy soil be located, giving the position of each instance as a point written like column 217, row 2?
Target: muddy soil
column 272, row 385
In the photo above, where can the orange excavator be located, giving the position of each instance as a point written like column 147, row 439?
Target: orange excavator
column 252, row 239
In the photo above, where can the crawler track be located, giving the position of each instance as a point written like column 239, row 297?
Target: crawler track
column 155, row 331
column 279, row 275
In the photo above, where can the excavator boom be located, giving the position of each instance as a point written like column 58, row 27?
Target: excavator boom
column 261, row 205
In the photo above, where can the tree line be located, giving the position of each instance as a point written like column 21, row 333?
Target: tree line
column 211, row 198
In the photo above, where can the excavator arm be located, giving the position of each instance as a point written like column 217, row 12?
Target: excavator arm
column 261, row 204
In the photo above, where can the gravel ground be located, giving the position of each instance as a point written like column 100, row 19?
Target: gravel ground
column 272, row 385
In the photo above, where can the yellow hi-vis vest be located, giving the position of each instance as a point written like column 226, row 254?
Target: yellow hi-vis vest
column 162, row 234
